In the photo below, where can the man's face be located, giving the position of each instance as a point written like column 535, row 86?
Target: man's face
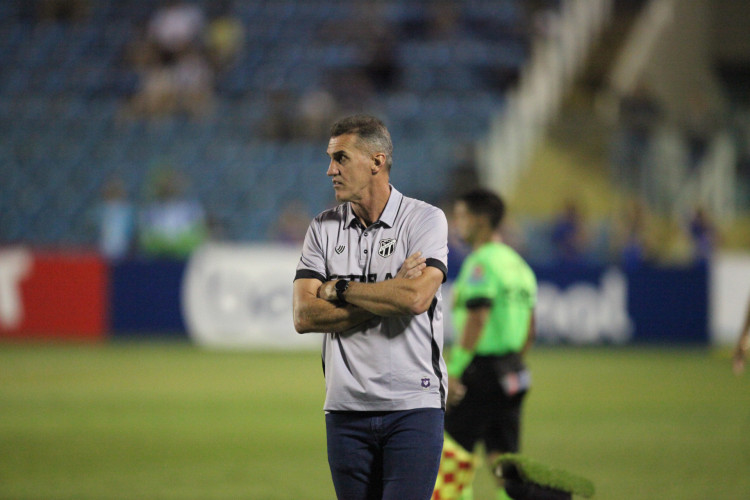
column 465, row 222
column 351, row 169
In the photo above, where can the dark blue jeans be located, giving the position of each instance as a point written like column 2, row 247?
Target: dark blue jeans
column 385, row 455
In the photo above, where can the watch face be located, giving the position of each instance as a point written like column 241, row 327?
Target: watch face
column 341, row 286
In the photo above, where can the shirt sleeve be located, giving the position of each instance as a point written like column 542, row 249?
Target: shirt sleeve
column 429, row 235
column 479, row 288
column 312, row 263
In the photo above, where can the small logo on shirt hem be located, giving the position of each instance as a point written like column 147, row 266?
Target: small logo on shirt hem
column 425, row 383
column 340, row 249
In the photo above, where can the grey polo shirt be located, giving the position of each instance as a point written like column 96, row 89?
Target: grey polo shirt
column 387, row 363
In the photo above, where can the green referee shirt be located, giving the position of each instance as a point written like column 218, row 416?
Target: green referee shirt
column 495, row 275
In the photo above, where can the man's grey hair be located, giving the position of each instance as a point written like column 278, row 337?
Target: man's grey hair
column 372, row 133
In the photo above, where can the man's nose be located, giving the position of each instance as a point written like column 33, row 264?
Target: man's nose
column 332, row 169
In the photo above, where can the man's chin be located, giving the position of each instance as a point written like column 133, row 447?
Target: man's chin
column 340, row 197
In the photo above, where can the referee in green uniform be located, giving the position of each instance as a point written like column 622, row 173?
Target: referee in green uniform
column 494, row 297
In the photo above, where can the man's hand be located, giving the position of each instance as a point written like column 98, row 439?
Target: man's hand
column 410, row 269
column 412, row 266
column 456, row 391
column 327, row 291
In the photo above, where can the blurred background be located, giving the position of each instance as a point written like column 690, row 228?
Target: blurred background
column 160, row 162
column 625, row 115
column 618, row 131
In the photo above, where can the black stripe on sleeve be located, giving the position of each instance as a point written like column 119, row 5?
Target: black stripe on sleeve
column 308, row 274
column 478, row 302
column 436, row 263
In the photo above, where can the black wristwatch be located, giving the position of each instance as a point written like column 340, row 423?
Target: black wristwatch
column 341, row 286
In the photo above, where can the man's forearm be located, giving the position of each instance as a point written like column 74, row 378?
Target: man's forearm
column 318, row 315
column 473, row 328
column 400, row 296
column 394, row 297
column 410, row 293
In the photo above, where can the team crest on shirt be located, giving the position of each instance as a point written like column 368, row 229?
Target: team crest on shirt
column 425, row 383
column 386, row 247
column 340, row 249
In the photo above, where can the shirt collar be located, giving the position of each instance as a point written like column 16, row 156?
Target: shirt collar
column 388, row 217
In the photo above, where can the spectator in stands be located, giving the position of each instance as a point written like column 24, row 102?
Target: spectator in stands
column 568, row 234
column 224, row 37
column 116, row 217
column 176, row 28
column 175, row 75
column 156, row 95
column 185, row 86
column 173, row 225
column 630, row 240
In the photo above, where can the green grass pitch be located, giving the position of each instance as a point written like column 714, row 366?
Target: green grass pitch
column 156, row 420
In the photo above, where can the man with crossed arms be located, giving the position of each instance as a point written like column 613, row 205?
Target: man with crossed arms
column 369, row 278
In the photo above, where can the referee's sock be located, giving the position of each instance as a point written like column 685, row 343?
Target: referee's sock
column 457, row 466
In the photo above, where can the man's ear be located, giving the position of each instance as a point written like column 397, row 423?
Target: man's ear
column 378, row 162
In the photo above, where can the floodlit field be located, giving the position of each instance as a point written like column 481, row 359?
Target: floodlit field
column 171, row 421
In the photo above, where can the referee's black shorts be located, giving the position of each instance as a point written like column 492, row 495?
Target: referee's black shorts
column 491, row 409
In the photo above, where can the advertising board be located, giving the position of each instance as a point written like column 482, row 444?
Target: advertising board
column 52, row 294
column 241, row 296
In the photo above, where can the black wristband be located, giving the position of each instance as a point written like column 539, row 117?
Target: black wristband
column 341, row 287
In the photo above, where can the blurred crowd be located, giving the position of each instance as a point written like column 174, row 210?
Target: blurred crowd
column 631, row 240
column 177, row 56
column 169, row 224
column 183, row 48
